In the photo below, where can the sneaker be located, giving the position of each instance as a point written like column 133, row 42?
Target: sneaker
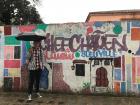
column 38, row 94
column 29, row 98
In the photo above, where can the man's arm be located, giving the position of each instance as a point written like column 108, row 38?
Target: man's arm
column 29, row 56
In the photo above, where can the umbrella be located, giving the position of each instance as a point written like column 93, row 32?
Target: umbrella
column 30, row 36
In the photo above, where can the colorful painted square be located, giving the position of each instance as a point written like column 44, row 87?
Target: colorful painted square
column 8, row 83
column 5, row 73
column 135, row 34
column 139, row 87
column 1, row 46
column 16, row 83
column 117, row 74
column 129, row 87
column 133, row 69
column 137, row 65
column 1, row 82
column 123, row 68
column 138, row 79
column 123, row 87
column 2, row 30
column 42, row 26
column 117, row 87
column 15, row 30
column 11, row 63
column 129, row 72
column 8, row 52
column 128, row 59
column 135, row 23
column 11, row 40
column 28, row 28
column 7, row 30
column 14, row 72
column 1, row 64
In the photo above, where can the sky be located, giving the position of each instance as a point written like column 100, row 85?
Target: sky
column 64, row 11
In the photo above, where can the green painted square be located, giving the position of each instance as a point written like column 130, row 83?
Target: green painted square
column 11, row 40
column 42, row 26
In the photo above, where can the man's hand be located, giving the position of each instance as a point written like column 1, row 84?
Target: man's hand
column 27, row 62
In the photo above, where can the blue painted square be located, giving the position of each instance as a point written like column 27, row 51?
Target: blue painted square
column 117, row 74
column 5, row 72
column 123, row 87
column 98, row 24
column 135, row 23
column 139, row 87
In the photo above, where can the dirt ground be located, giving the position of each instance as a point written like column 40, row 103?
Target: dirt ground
column 20, row 98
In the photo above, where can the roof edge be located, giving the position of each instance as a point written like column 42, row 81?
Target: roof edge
column 112, row 12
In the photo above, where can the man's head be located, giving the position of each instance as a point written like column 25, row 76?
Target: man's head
column 37, row 43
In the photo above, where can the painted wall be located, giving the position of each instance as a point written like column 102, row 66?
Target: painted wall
column 89, row 58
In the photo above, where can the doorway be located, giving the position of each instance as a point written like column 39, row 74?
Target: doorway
column 101, row 77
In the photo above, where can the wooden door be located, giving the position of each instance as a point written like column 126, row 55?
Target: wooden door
column 101, row 77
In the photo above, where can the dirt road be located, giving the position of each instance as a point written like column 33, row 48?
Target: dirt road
column 19, row 98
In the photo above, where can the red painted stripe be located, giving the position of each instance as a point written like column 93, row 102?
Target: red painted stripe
column 11, row 63
column 133, row 70
column 123, row 68
column 28, row 28
column 137, row 62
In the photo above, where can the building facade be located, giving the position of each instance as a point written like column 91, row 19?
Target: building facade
column 120, row 15
column 95, row 57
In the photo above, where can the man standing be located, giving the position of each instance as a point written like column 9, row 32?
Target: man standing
column 34, row 60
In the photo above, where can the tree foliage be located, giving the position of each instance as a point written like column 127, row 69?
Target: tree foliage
column 15, row 12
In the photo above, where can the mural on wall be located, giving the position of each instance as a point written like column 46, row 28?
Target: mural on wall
column 93, row 57
column 1, row 54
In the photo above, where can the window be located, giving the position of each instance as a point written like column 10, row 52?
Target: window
column 80, row 70
column 96, row 62
column 17, row 52
column 106, row 62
